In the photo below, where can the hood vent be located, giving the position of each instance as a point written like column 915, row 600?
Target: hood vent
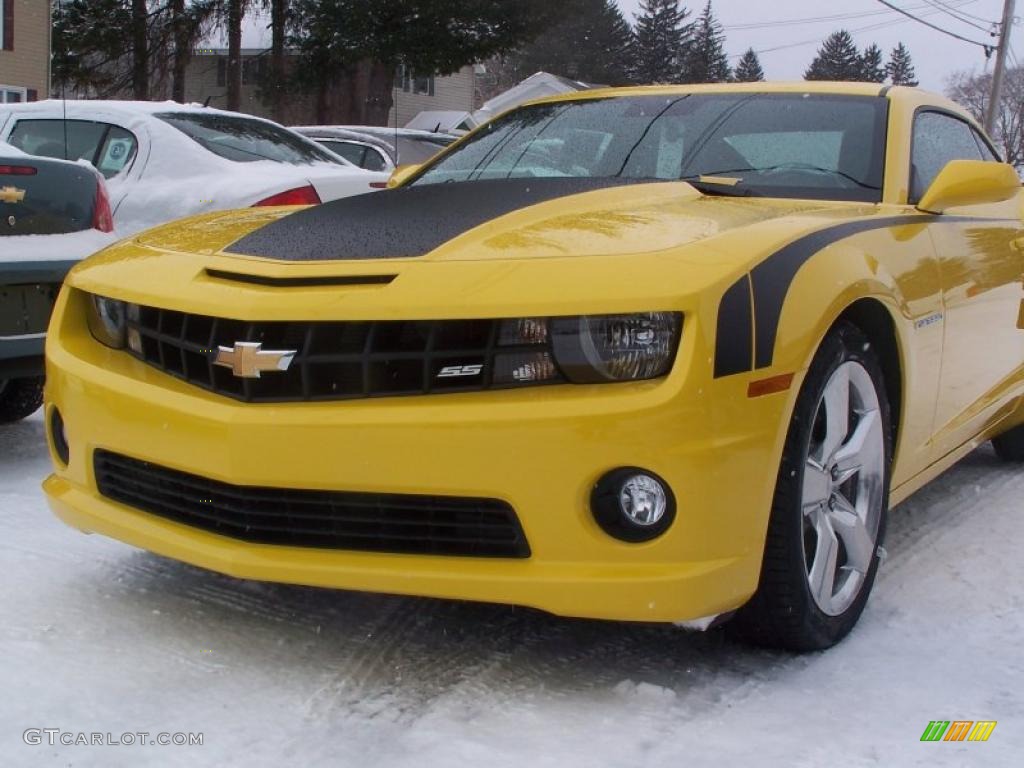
column 301, row 282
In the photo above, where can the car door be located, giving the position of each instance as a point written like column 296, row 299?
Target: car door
column 980, row 266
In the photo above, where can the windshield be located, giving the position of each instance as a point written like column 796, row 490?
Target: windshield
column 774, row 145
column 245, row 141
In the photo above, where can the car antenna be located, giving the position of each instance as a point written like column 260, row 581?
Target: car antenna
column 63, row 84
column 206, row 103
column 398, row 158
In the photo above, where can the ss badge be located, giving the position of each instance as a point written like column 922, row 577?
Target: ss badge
column 453, row 371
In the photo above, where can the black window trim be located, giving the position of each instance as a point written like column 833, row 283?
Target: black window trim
column 975, row 130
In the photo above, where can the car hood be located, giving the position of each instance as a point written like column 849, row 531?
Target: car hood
column 476, row 221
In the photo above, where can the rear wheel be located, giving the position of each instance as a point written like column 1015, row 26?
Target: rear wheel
column 20, row 398
column 828, row 514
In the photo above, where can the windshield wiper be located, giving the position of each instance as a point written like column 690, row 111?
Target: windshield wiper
column 719, row 187
column 791, row 166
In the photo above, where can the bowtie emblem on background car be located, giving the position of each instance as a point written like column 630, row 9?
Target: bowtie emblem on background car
column 11, row 195
column 248, row 359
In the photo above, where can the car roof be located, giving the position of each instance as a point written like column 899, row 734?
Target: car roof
column 385, row 132
column 124, row 109
column 798, row 86
column 325, row 132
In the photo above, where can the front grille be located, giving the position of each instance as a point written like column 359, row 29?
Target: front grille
column 424, row 525
column 333, row 360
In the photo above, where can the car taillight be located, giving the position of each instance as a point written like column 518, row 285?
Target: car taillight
column 102, row 216
column 298, row 196
column 17, row 170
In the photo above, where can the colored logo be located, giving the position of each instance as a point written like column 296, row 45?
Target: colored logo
column 11, row 195
column 958, row 730
column 248, row 359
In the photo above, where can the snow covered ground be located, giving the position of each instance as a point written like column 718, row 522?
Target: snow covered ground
column 98, row 637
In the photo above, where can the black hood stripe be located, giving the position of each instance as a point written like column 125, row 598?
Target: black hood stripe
column 770, row 281
column 405, row 222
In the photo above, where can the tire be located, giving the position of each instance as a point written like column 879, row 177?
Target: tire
column 827, row 520
column 1010, row 445
column 20, row 398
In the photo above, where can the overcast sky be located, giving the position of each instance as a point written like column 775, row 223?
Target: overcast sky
column 762, row 26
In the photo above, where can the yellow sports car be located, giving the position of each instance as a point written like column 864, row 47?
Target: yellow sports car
column 650, row 354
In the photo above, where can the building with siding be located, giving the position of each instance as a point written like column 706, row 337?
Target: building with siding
column 24, row 50
column 206, row 83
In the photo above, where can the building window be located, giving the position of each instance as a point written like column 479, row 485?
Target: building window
column 412, row 82
column 253, row 70
column 11, row 95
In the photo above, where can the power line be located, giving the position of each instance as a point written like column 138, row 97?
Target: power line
column 831, row 18
column 962, row 19
column 965, row 13
column 818, row 40
column 988, row 48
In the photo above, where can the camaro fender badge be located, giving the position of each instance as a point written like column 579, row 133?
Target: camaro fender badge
column 11, row 195
column 932, row 319
column 248, row 359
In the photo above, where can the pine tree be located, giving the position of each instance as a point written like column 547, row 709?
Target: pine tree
column 660, row 41
column 705, row 60
column 749, row 68
column 872, row 68
column 901, row 68
column 837, row 59
column 592, row 43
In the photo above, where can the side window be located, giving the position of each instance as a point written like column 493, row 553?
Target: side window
column 347, row 149
column 938, row 138
column 117, row 152
column 374, row 160
column 109, row 148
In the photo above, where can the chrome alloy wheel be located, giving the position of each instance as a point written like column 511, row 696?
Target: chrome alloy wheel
column 842, row 496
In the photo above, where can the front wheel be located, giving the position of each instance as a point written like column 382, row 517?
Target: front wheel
column 20, row 398
column 828, row 514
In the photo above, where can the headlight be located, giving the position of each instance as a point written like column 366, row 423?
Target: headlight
column 107, row 321
column 615, row 347
column 585, row 350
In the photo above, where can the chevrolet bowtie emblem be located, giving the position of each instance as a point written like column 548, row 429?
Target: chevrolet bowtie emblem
column 11, row 195
column 248, row 359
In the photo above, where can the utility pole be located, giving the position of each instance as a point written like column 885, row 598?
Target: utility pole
column 1000, row 69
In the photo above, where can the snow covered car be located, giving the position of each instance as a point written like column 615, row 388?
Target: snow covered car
column 164, row 160
column 378, row 149
column 52, row 215
column 649, row 354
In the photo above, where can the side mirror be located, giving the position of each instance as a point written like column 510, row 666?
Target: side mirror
column 400, row 174
column 970, row 182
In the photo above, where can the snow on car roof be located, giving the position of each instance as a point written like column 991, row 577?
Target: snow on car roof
column 128, row 111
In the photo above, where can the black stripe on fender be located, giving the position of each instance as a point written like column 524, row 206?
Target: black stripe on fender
column 734, row 336
column 773, row 276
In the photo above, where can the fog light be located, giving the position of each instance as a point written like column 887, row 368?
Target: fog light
column 59, row 437
column 633, row 504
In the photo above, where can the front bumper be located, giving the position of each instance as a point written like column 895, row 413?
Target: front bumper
column 541, row 450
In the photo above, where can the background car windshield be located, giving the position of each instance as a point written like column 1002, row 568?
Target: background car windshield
column 779, row 145
column 246, row 141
